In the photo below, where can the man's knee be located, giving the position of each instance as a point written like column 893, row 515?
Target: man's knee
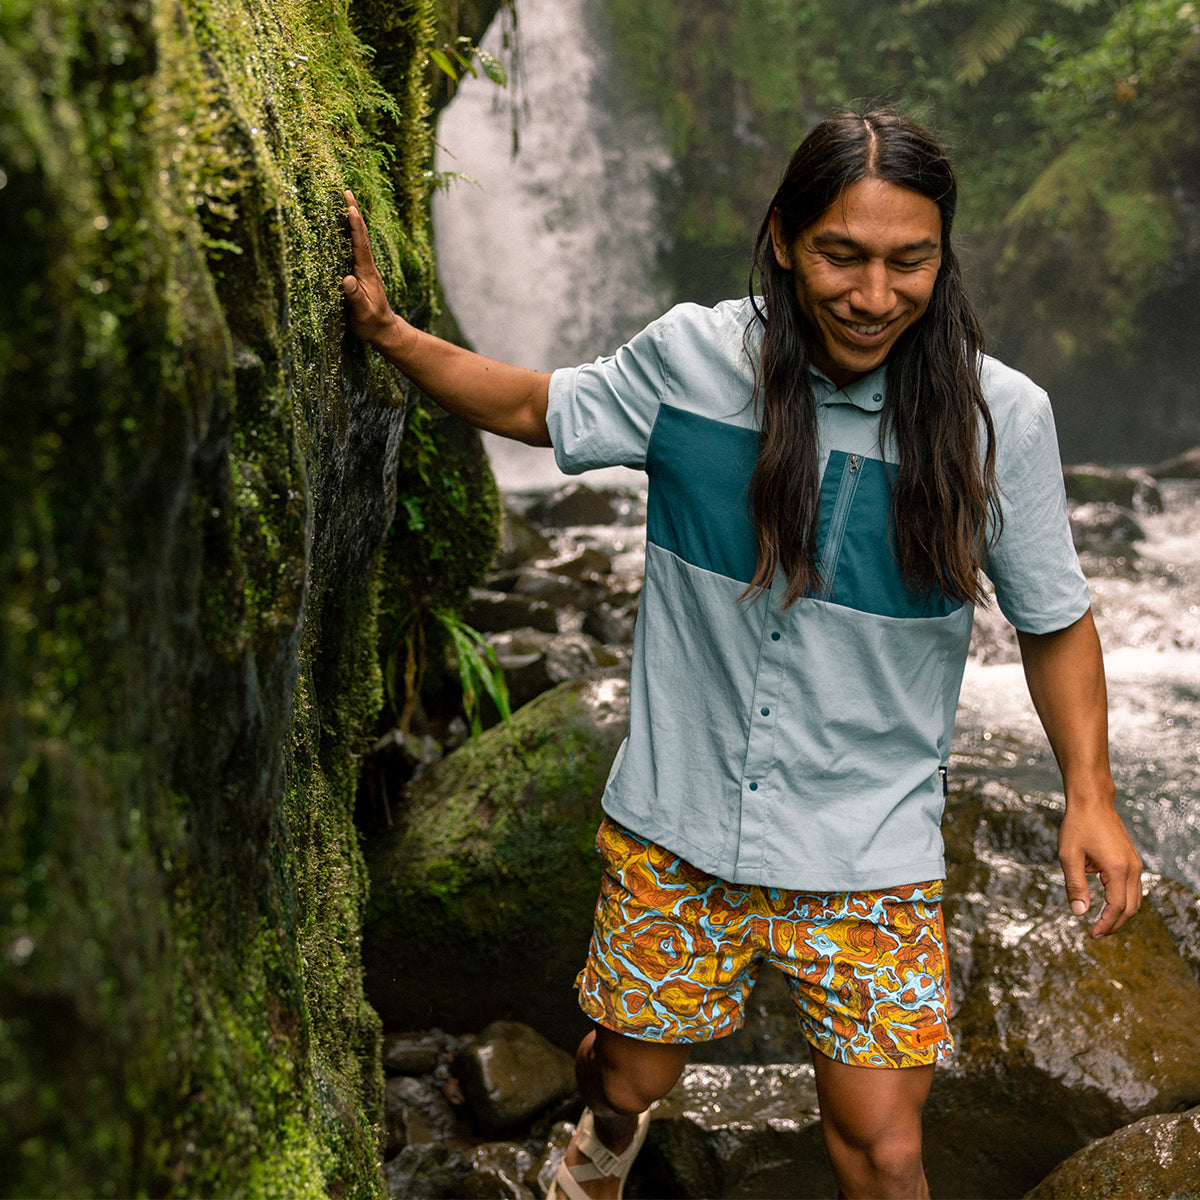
column 634, row 1074
column 891, row 1156
column 887, row 1165
column 871, row 1119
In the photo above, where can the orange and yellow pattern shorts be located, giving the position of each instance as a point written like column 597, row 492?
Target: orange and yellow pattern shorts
column 675, row 953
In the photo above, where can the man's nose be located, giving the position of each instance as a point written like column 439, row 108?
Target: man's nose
column 873, row 292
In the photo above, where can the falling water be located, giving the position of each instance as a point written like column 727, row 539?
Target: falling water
column 547, row 257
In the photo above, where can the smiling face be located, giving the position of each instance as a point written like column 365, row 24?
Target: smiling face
column 864, row 272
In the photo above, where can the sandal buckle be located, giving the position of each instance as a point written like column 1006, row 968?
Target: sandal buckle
column 604, row 1160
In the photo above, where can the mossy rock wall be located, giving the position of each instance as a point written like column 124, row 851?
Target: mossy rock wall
column 483, row 891
column 196, row 472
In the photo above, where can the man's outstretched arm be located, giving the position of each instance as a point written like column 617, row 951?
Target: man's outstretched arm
column 1065, row 673
column 492, row 395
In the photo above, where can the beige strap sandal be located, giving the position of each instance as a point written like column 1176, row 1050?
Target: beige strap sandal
column 604, row 1163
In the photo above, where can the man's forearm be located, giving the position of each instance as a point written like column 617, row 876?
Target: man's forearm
column 1065, row 672
column 491, row 395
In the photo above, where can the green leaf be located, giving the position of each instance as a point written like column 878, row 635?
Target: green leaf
column 464, row 60
column 442, row 60
column 477, row 668
column 992, row 38
column 492, row 68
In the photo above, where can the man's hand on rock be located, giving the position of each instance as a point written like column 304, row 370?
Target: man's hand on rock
column 369, row 315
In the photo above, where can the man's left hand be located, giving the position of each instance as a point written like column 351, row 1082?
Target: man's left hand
column 1094, row 840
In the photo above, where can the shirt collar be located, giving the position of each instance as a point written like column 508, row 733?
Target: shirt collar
column 866, row 393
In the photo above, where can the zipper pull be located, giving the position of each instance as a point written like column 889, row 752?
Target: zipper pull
column 854, row 462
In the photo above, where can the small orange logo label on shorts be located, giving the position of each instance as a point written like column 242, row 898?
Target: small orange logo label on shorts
column 932, row 1033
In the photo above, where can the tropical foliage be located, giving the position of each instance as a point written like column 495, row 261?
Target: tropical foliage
column 1073, row 123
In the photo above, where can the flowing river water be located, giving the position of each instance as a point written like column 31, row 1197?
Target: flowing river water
column 547, row 259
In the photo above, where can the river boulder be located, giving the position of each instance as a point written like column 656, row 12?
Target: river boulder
column 739, row 1131
column 491, row 866
column 1106, row 531
column 1155, row 1157
column 1131, row 488
column 510, row 1073
column 1061, row 1039
column 1182, row 466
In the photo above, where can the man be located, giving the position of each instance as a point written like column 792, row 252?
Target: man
column 831, row 464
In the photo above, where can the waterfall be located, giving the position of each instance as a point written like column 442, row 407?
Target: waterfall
column 547, row 258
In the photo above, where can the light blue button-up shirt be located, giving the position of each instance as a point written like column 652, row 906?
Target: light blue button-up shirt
column 797, row 748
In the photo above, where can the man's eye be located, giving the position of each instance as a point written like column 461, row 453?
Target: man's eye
column 840, row 260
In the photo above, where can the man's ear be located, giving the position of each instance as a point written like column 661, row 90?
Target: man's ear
column 783, row 252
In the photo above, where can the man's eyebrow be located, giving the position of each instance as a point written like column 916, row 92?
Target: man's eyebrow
column 840, row 239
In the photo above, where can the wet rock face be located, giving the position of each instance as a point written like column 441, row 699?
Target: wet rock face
column 197, row 474
column 1061, row 1039
column 1155, row 1157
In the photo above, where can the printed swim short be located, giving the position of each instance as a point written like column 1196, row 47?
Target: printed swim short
column 675, row 953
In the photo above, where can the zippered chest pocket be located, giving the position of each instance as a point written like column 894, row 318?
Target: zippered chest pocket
column 855, row 543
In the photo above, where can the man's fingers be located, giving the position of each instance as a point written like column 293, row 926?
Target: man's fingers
column 1122, row 898
column 1079, row 895
column 360, row 239
column 1112, row 917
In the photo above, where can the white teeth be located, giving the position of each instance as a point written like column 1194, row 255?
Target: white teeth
column 869, row 329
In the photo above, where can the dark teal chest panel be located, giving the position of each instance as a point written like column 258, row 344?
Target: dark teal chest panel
column 699, row 510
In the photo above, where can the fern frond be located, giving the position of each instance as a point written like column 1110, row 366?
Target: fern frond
column 992, row 37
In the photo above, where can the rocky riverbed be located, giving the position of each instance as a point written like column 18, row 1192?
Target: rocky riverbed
column 1074, row 1057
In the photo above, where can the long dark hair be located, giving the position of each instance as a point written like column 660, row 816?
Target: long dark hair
column 945, row 499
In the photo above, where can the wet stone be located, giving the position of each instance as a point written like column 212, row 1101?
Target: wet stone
column 560, row 1137
column 411, row 1053
column 559, row 591
column 416, row 1112
column 512, row 1073
column 496, row 612
column 588, row 563
column 534, row 662
column 1155, row 1157
column 1179, row 907
column 1104, row 529
column 520, row 541
column 503, row 1171
column 578, row 504
column 610, row 623
column 430, row 1172
column 740, row 1130
column 1093, row 484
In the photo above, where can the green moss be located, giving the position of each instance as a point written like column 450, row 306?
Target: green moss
column 441, row 544
column 467, row 865
column 194, row 484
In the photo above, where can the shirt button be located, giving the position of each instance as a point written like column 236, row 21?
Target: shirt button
column 754, row 787
column 877, row 398
column 766, row 712
column 775, row 637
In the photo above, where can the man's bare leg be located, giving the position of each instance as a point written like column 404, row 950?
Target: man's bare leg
column 620, row 1077
column 871, row 1119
